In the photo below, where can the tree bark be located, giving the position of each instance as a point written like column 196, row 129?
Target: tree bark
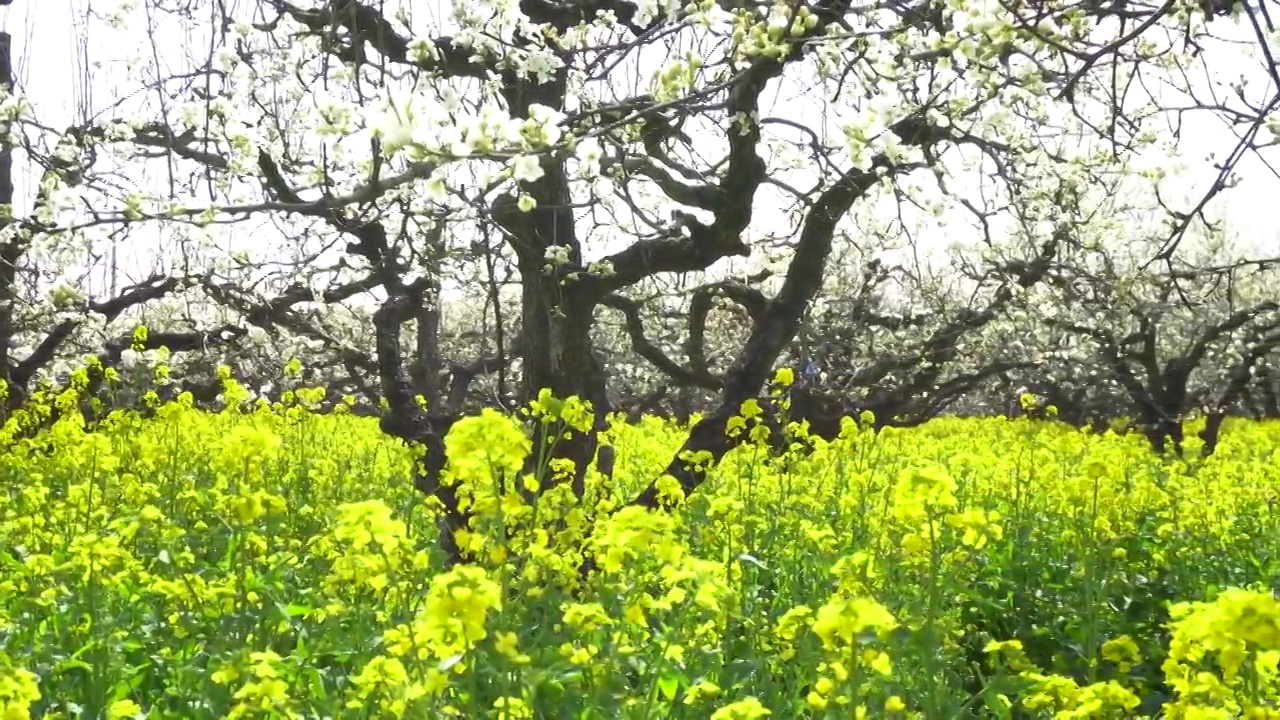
column 11, row 251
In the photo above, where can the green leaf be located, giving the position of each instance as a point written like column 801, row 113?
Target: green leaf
column 316, row 683
column 669, row 685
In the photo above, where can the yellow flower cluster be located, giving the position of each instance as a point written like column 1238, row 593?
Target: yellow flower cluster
column 1224, row 658
column 269, row 561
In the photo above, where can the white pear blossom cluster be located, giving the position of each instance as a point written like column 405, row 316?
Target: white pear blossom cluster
column 588, row 155
column 556, row 256
column 425, row 131
column 677, row 78
column 769, row 34
column 489, row 30
column 318, row 132
column 132, row 359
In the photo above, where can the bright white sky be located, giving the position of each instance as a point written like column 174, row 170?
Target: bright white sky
column 49, row 66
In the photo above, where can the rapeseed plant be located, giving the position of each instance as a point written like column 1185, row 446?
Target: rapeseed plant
column 269, row 561
column 19, row 690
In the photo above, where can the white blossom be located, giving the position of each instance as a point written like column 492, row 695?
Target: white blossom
column 526, row 168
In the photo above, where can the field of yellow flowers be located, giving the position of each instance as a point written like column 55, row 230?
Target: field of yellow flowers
column 278, row 563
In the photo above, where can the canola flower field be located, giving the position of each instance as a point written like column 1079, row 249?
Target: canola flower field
column 278, row 563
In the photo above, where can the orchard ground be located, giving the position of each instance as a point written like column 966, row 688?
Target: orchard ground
column 278, row 563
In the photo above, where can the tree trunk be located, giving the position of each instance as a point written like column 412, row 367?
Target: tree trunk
column 10, row 251
column 407, row 420
column 427, row 365
column 558, row 353
column 559, row 357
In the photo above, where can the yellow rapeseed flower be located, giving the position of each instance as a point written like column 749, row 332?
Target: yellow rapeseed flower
column 457, row 605
column 512, row 708
column 746, row 709
column 125, row 709
column 842, row 620
column 19, row 690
